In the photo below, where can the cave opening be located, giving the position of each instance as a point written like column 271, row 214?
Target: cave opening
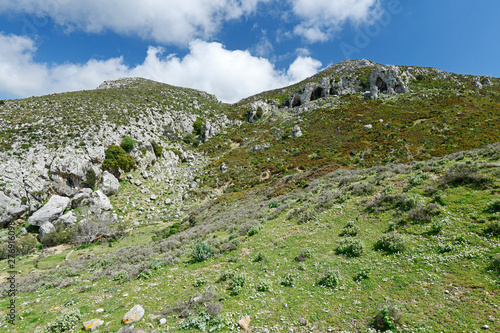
column 381, row 85
column 317, row 93
column 296, row 101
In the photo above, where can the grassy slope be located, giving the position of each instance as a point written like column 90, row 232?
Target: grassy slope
column 436, row 291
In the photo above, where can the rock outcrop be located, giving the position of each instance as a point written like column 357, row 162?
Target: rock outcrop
column 109, row 184
column 51, row 211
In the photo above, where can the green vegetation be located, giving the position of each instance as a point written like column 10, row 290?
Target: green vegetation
column 117, row 157
column 127, row 144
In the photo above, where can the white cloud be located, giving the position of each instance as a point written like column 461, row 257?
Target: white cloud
column 229, row 74
column 163, row 21
column 320, row 19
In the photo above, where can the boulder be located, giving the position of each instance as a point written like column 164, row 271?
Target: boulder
column 244, row 323
column 92, row 324
column 168, row 202
column 10, row 209
column 369, row 126
column 99, row 202
column 45, row 229
column 109, row 184
column 296, row 132
column 133, row 315
column 82, row 198
column 96, row 154
column 67, row 219
column 51, row 211
column 223, row 168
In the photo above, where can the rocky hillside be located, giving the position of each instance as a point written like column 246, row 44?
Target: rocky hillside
column 143, row 186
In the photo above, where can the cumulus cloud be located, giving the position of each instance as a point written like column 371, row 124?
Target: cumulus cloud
column 320, row 19
column 163, row 21
column 229, row 74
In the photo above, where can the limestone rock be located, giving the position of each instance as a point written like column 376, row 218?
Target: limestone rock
column 67, row 219
column 296, row 132
column 168, row 202
column 138, row 182
column 133, row 315
column 45, row 229
column 244, row 323
column 223, row 168
column 92, row 324
column 50, row 211
column 99, row 202
column 153, row 197
column 109, row 184
column 96, row 154
column 369, row 126
column 82, row 198
column 10, row 209
column 68, row 172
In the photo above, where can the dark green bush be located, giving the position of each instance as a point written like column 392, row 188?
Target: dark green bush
column 391, row 242
column 388, row 318
column 158, row 150
column 305, row 253
column 259, row 113
column 117, row 157
column 289, row 279
column 67, row 322
column 362, row 274
column 350, row 247
column 493, row 207
column 197, row 125
column 423, row 214
column 263, row 285
column 22, row 245
column 330, row 279
column 90, row 179
column 190, row 139
column 59, row 236
column 202, row 252
column 127, row 144
column 493, row 229
column 350, row 229
column 464, row 174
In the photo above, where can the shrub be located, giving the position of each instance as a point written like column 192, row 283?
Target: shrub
column 463, row 174
column 200, row 282
column 495, row 263
column 289, row 279
column 117, row 157
column 59, row 236
column 391, row 242
column 362, row 274
column 90, row 178
column 445, row 248
column 95, row 228
column 197, row 125
column 388, row 318
column 350, row 247
column 213, row 309
column 259, row 112
column 350, row 229
column 190, row 139
column 493, row 229
column 260, row 257
column 64, row 323
column 305, row 253
column 418, row 179
column 254, row 230
column 363, row 188
column 121, row 276
column 330, row 279
column 424, row 214
column 237, row 283
column 127, row 144
column 493, row 207
column 158, row 150
column 22, row 245
column 263, row 285
column 201, row 252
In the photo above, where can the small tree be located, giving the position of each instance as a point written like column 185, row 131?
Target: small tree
column 127, row 144
column 197, row 126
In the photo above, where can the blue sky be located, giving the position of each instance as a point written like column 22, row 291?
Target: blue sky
column 234, row 48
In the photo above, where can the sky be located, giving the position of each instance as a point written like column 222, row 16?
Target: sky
column 234, row 48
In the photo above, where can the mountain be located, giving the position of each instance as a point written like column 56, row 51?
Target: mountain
column 364, row 197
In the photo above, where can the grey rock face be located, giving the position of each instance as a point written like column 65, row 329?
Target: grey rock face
column 82, row 198
column 68, row 172
column 10, row 209
column 50, row 211
column 66, row 219
column 45, row 229
column 133, row 315
column 109, row 184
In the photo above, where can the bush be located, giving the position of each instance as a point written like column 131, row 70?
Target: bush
column 90, row 179
column 363, row 274
column 330, row 279
column 254, row 230
column 96, row 228
column 350, row 247
column 65, row 323
column 197, row 125
column 260, row 257
column 121, row 276
column 391, row 242
column 200, row 282
column 388, row 318
column 22, row 245
column 289, row 279
column 463, row 174
column 190, row 139
column 495, row 263
column 424, row 214
column 117, row 157
column 259, row 112
column 59, row 236
column 493, row 207
column 201, row 252
column 493, row 229
column 305, row 253
column 418, row 179
column 445, row 248
column 158, row 150
column 237, row 283
column 127, row 144
column 350, row 229
column 263, row 285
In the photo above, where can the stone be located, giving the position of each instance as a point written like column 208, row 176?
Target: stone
column 45, row 229
column 153, row 197
column 130, row 177
column 163, row 321
column 109, row 184
column 296, row 132
column 223, row 168
column 68, row 172
column 168, row 201
column 23, row 231
column 486, row 327
column 144, row 174
column 244, row 323
column 100, row 310
column 99, row 202
column 133, row 315
column 96, row 154
column 82, row 198
column 50, row 211
column 91, row 325
column 10, row 209
column 369, row 126
column 303, row 322
column 67, row 219
column 138, row 182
